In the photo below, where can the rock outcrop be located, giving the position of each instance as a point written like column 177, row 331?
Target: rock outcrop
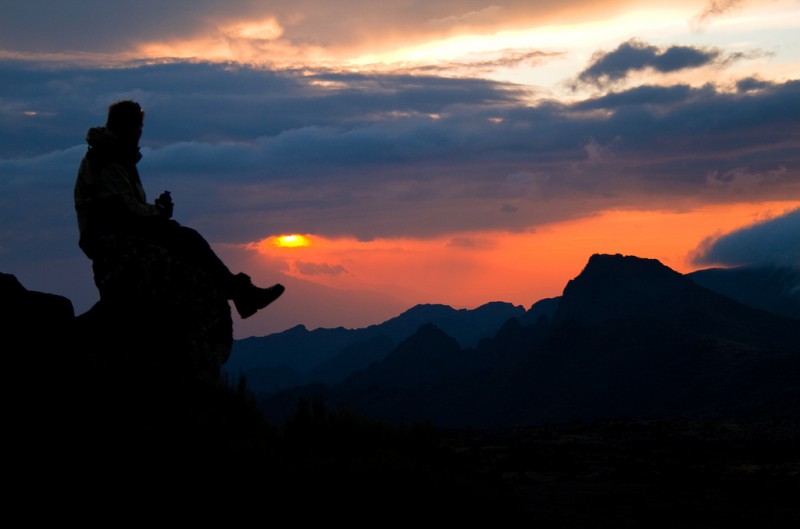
column 22, row 309
column 35, row 328
column 133, row 383
column 167, row 312
column 154, row 312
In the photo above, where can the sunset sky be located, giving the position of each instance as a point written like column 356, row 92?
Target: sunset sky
column 455, row 152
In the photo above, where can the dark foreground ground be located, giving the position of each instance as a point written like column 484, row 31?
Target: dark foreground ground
column 682, row 474
column 117, row 449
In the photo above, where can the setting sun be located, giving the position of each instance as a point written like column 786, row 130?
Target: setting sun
column 291, row 241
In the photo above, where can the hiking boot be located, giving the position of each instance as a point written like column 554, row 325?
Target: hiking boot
column 249, row 299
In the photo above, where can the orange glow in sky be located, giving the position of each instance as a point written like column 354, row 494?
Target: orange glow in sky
column 469, row 269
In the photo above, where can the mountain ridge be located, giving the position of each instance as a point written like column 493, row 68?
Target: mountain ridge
column 327, row 355
column 775, row 289
column 629, row 337
column 277, row 361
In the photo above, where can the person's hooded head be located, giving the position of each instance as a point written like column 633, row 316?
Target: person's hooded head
column 125, row 120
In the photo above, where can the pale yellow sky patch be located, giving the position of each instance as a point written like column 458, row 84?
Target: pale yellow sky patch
column 265, row 29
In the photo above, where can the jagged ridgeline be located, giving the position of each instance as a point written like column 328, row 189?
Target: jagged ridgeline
column 629, row 337
column 128, row 389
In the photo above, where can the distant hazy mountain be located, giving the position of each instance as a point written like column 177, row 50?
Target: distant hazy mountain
column 776, row 289
column 629, row 337
column 300, row 356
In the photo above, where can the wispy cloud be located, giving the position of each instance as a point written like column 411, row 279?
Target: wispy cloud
column 482, row 63
column 715, row 8
column 313, row 269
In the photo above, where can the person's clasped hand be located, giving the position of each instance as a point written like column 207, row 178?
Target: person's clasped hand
column 164, row 203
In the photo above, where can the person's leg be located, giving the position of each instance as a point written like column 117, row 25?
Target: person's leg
column 189, row 245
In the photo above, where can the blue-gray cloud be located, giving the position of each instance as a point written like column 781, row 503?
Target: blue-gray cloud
column 44, row 109
column 635, row 55
column 250, row 152
column 775, row 242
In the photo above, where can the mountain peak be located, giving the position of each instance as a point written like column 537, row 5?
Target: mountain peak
column 609, row 263
column 612, row 286
column 420, row 358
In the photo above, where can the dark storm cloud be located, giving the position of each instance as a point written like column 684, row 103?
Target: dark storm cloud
column 634, row 55
column 769, row 243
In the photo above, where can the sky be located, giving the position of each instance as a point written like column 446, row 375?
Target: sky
column 372, row 156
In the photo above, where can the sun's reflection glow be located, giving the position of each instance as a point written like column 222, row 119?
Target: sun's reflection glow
column 291, row 241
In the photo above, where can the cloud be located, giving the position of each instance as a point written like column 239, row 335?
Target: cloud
column 752, row 84
column 250, row 152
column 774, row 242
column 714, row 9
column 279, row 31
column 313, row 269
column 482, row 63
column 634, row 55
column 645, row 95
column 462, row 242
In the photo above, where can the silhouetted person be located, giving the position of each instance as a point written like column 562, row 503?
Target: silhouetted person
column 110, row 201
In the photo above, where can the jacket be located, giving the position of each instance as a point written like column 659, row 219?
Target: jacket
column 109, row 196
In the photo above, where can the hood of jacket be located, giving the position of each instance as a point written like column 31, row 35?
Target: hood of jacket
column 105, row 147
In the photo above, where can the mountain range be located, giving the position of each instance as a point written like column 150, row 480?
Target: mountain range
column 299, row 356
column 639, row 397
column 629, row 337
